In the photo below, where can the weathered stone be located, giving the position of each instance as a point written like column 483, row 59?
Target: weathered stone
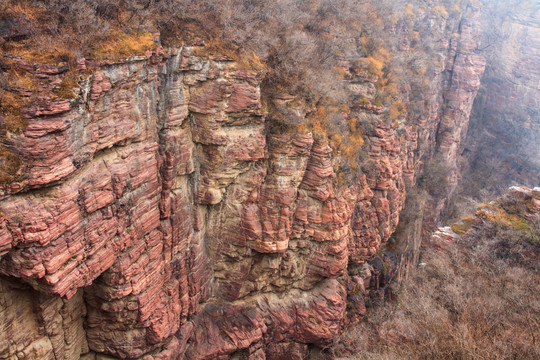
column 161, row 208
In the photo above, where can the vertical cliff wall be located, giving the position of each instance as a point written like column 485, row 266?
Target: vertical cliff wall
column 441, row 128
column 463, row 82
column 160, row 205
column 502, row 146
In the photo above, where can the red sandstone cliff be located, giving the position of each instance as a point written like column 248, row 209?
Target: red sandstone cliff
column 158, row 216
column 161, row 209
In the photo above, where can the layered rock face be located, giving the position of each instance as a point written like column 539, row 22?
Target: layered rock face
column 159, row 216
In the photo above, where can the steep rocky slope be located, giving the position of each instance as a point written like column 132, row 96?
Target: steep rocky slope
column 161, row 214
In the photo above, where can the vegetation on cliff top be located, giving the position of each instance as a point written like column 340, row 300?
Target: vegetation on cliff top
column 308, row 48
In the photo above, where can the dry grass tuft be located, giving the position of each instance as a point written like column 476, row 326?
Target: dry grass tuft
column 464, row 225
column 9, row 166
column 10, row 109
column 218, row 49
column 120, row 45
column 69, row 82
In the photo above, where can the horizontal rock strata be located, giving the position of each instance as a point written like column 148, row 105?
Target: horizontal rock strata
column 158, row 216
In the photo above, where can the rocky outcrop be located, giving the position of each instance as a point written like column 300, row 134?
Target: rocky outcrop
column 35, row 326
column 161, row 206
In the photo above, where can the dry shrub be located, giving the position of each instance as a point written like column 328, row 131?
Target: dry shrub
column 10, row 110
column 435, row 177
column 68, row 84
column 9, row 166
column 120, row 45
column 371, row 65
column 477, row 297
column 18, row 78
column 396, row 110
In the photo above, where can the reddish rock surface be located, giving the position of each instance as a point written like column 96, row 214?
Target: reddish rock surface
column 158, row 203
column 157, row 216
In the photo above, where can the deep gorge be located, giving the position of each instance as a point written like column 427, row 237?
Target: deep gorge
column 181, row 206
